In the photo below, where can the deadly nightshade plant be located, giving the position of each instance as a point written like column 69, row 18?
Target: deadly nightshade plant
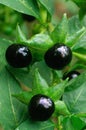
column 34, row 80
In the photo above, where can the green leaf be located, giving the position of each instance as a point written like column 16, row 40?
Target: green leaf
column 75, row 94
column 49, row 5
column 72, row 123
column 39, row 44
column 73, row 39
column 74, row 24
column 78, row 66
column 55, row 92
column 59, row 34
column 10, row 108
column 26, row 77
column 40, row 84
column 79, row 49
column 3, row 46
column 81, row 44
column 61, row 108
column 23, row 76
column 20, row 37
column 57, row 77
column 23, row 97
column 82, row 13
column 44, row 71
column 81, row 115
column 81, row 5
column 24, row 6
column 28, row 124
column 77, row 34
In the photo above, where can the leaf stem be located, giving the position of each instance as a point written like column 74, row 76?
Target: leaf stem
column 80, row 56
column 59, row 124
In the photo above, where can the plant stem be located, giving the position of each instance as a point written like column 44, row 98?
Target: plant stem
column 80, row 56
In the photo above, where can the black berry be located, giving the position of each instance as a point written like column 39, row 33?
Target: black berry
column 71, row 75
column 28, row 18
column 58, row 56
column 41, row 107
column 18, row 55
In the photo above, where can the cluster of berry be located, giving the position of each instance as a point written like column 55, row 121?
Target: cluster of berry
column 41, row 107
column 57, row 57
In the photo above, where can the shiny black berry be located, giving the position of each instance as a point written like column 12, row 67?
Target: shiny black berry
column 71, row 75
column 41, row 107
column 18, row 55
column 28, row 18
column 58, row 56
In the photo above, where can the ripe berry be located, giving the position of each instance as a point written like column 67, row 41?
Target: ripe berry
column 41, row 107
column 71, row 75
column 18, row 55
column 28, row 18
column 58, row 56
